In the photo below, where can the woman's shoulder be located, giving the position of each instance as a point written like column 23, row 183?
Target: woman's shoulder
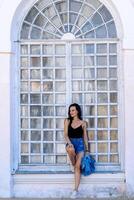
column 83, row 123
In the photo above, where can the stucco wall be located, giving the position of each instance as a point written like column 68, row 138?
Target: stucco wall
column 11, row 16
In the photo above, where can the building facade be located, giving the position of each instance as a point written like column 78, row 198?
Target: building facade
column 54, row 53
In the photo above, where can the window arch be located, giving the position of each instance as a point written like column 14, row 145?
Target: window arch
column 68, row 53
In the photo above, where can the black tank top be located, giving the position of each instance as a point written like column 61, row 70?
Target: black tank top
column 75, row 132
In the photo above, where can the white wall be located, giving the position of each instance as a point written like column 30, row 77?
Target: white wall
column 10, row 20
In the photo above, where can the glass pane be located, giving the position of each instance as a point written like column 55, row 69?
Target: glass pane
column 24, row 123
column 35, row 98
column 114, row 147
column 47, row 61
column 112, row 60
column 47, row 49
column 105, row 13
column 89, row 85
column 113, row 135
column 91, row 122
column 60, row 74
column 24, row 135
column 113, row 97
column 35, row 110
column 63, row 18
column 24, row 111
column 48, row 110
column 102, row 85
column 35, row 33
column 61, row 159
column 60, row 86
column 60, row 110
column 113, row 85
column 24, row 74
column 94, row 3
column 92, row 148
column 24, row 159
column 61, row 6
column 48, row 159
column 112, row 73
column 102, row 97
column 113, row 110
column 24, row 98
column 48, row 148
column 31, row 15
column 101, row 60
column 35, row 62
column 48, row 135
column 48, row 123
column 24, row 148
column 76, row 85
column 60, row 62
column 60, row 98
column 35, row 159
column 102, row 123
column 101, row 73
column 56, row 21
column 24, row 62
column 35, row 86
column 35, row 148
column 89, row 110
column 87, row 26
column 114, row 158
column 36, row 135
column 102, row 135
column 102, row 147
column 35, row 49
column 102, row 158
column 40, row 21
column 113, row 123
column 87, row 11
column 96, row 20
column 50, row 11
column 24, row 49
column 48, row 86
column 90, row 34
column 89, row 73
column 112, row 48
column 77, row 73
column 102, row 110
column 91, row 135
column 60, row 148
column 77, row 98
column 59, row 136
column 60, row 123
column 89, row 60
column 47, row 74
column 25, row 31
column 89, row 48
column 75, row 6
column 47, row 98
column 76, row 61
column 89, row 98
column 101, row 48
column 35, row 74
column 76, row 49
column 111, row 30
column 60, row 49
column 35, row 123
column 101, row 32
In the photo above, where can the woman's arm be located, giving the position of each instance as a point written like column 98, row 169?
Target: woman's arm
column 85, row 137
column 66, row 123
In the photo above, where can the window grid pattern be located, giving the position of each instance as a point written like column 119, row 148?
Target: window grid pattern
column 83, row 18
column 43, row 99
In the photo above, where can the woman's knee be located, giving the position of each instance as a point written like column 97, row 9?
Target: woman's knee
column 70, row 150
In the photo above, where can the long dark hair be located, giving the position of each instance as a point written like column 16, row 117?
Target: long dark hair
column 78, row 108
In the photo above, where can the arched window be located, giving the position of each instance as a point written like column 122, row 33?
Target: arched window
column 68, row 53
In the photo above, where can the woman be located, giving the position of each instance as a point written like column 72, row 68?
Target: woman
column 76, row 141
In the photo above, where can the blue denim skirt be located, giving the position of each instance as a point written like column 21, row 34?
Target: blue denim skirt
column 78, row 144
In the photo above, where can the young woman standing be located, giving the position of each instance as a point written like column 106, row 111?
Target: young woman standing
column 75, row 135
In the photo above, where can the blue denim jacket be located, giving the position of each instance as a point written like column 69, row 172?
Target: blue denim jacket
column 87, row 165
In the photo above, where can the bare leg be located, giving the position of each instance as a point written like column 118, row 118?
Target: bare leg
column 71, row 154
column 77, row 169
